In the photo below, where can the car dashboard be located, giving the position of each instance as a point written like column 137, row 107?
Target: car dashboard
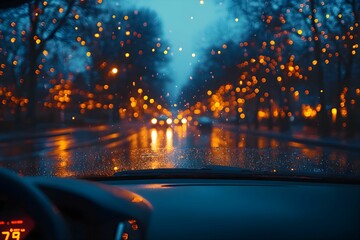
column 193, row 209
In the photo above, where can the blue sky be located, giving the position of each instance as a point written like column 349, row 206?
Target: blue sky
column 186, row 25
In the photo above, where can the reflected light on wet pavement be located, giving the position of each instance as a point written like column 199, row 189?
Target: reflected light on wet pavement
column 102, row 152
column 62, row 168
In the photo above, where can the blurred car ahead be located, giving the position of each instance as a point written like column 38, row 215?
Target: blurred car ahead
column 204, row 123
column 162, row 121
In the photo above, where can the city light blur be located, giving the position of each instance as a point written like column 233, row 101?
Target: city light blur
column 152, row 82
column 267, row 77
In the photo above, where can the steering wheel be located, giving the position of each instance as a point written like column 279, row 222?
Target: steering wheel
column 35, row 203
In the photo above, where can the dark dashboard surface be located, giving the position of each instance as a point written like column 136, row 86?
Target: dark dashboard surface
column 203, row 208
column 234, row 209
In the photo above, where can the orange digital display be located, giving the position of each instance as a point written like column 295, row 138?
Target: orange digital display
column 15, row 229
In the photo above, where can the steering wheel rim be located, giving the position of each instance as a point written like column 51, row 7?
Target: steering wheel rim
column 35, row 203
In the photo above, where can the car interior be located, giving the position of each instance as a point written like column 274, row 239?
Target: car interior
column 178, row 208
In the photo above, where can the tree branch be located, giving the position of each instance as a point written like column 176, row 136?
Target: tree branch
column 61, row 22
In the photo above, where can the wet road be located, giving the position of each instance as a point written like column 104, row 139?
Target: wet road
column 105, row 150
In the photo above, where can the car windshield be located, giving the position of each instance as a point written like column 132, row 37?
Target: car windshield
column 98, row 87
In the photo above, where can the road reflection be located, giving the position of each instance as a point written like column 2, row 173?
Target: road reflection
column 64, row 159
column 105, row 151
column 154, row 138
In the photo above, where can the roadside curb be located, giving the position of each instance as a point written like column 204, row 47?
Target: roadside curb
column 35, row 136
column 310, row 141
column 37, row 133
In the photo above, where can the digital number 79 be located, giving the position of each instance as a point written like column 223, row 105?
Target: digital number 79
column 14, row 235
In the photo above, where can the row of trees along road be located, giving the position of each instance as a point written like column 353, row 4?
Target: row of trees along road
column 285, row 59
column 56, row 54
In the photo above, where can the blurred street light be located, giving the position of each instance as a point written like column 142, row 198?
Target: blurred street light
column 114, row 70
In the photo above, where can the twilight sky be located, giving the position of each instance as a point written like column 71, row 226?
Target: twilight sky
column 186, row 26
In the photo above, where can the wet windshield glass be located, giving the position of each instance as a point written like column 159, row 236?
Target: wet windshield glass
column 94, row 87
